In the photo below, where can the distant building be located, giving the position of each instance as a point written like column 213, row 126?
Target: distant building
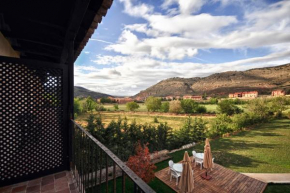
column 278, row 93
column 169, row 97
column 123, row 100
column 195, row 98
column 249, row 94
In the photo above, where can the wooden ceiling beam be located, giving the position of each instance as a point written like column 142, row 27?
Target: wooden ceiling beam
column 78, row 14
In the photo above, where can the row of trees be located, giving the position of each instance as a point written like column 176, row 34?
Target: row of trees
column 121, row 137
column 154, row 104
column 231, row 118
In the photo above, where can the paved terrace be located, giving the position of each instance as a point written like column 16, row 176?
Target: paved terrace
column 60, row 182
column 223, row 180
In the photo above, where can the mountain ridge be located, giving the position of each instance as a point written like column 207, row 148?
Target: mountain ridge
column 263, row 80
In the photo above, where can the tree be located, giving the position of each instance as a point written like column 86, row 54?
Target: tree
column 140, row 163
column 259, row 107
column 153, row 103
column 78, row 109
column 175, row 107
column 279, row 104
column 227, row 107
column 132, row 106
column 189, row 106
column 165, row 107
column 116, row 107
column 204, row 96
column 90, row 104
column 91, row 124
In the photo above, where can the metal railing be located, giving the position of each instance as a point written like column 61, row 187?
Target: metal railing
column 96, row 169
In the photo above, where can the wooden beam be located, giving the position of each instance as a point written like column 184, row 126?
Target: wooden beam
column 77, row 16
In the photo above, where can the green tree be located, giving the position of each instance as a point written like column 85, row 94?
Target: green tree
column 175, row 107
column 260, row 108
column 78, row 109
column 189, row 106
column 279, row 104
column 165, row 107
column 116, row 107
column 227, row 107
column 132, row 106
column 204, row 96
column 90, row 104
column 91, row 124
column 153, row 103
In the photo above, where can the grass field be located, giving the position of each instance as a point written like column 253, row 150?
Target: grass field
column 174, row 121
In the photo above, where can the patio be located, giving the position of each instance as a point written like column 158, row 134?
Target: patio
column 60, row 182
column 223, row 180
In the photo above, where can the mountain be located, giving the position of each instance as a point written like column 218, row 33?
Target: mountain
column 83, row 92
column 263, row 80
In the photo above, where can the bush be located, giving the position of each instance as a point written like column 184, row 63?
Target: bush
column 78, row 109
column 228, row 108
column 220, row 125
column 189, row 106
column 153, row 103
column 132, row 106
column 192, row 131
column 260, row 108
column 155, row 120
column 201, row 109
column 175, row 107
column 100, row 107
column 164, row 107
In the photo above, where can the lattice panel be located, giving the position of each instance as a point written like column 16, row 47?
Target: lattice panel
column 31, row 120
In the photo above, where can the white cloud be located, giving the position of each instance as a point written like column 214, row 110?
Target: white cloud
column 155, row 48
column 133, row 74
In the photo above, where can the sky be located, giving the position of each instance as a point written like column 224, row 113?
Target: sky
column 141, row 42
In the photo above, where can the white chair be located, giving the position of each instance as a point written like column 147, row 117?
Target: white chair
column 170, row 165
column 197, row 160
column 174, row 174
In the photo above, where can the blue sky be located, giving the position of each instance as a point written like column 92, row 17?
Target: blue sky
column 140, row 43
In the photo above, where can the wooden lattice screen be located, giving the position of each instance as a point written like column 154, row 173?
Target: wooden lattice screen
column 33, row 119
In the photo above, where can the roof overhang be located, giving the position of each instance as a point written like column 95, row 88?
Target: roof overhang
column 41, row 30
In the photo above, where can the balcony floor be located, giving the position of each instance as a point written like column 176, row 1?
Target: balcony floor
column 60, row 182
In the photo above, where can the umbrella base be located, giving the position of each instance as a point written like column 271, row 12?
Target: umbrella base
column 206, row 177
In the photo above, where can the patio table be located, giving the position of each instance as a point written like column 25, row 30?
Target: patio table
column 178, row 167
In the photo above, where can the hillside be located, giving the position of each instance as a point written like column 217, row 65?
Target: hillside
column 83, row 92
column 263, row 80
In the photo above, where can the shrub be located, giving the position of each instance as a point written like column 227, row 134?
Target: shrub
column 201, row 109
column 153, row 103
column 140, row 163
column 164, row 107
column 259, row 108
column 228, row 108
column 189, row 106
column 78, row 109
column 116, row 107
column 221, row 125
column 89, row 104
column 192, row 130
column 100, row 107
column 175, row 106
column 155, row 120
column 132, row 106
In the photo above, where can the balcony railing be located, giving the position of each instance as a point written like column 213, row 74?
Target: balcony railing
column 97, row 169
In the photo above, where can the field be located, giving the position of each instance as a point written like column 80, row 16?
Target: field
column 174, row 121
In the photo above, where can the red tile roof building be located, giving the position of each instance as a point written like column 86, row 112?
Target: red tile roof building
column 278, row 93
column 250, row 94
